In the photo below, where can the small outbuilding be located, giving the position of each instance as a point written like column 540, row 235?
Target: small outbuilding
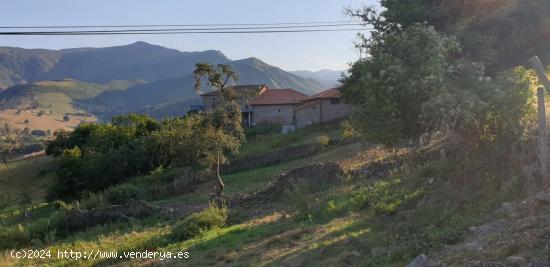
column 277, row 106
column 322, row 107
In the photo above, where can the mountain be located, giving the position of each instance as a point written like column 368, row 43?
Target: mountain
column 173, row 96
column 327, row 77
column 254, row 71
column 18, row 66
column 135, row 61
column 139, row 60
column 138, row 77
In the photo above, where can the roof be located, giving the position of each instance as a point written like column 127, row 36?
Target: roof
column 327, row 94
column 279, row 97
column 257, row 88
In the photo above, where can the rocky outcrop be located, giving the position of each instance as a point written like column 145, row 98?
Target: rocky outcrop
column 312, row 177
column 81, row 219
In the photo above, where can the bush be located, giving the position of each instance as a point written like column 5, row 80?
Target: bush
column 199, row 222
column 323, row 140
column 122, row 193
column 384, row 197
column 66, row 118
column 39, row 133
column 262, row 129
column 14, row 237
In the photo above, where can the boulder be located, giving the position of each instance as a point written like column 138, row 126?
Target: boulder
column 543, row 196
column 420, row 261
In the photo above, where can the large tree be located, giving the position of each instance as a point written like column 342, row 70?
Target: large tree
column 225, row 130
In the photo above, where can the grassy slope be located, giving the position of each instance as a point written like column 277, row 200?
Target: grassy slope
column 361, row 223
column 52, row 99
column 24, row 177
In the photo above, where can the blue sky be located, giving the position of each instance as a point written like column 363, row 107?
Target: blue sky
column 290, row 51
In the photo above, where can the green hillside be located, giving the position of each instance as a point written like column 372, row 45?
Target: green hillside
column 57, row 96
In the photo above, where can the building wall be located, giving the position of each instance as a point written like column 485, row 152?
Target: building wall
column 209, row 102
column 324, row 110
column 308, row 115
column 334, row 110
column 278, row 114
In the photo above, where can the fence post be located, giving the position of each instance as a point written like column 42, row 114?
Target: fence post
column 543, row 144
column 538, row 66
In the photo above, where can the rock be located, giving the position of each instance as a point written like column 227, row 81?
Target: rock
column 488, row 229
column 515, row 261
column 429, row 181
column 539, row 264
column 377, row 252
column 420, row 261
column 543, row 196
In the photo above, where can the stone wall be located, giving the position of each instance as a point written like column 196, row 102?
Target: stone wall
column 331, row 111
column 277, row 114
column 272, row 158
column 308, row 115
column 324, row 110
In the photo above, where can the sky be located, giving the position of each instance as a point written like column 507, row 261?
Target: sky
column 290, row 51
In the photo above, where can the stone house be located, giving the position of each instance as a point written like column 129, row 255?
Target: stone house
column 322, row 107
column 277, row 106
column 246, row 94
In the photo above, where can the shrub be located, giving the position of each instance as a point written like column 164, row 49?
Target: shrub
column 66, row 118
column 14, row 237
column 122, row 193
column 199, row 222
column 384, row 197
column 262, row 129
column 39, row 133
column 323, row 140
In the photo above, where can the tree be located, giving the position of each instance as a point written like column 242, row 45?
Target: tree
column 402, row 71
column 224, row 131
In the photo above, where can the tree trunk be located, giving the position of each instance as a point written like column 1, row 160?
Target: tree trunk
column 219, row 186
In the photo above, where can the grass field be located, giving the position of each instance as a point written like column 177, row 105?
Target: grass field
column 30, row 119
column 25, row 178
column 362, row 222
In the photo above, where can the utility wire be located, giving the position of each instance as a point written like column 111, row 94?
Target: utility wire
column 219, row 29
column 70, row 33
column 174, row 25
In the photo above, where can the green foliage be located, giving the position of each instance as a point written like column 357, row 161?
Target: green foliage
column 403, row 70
column 96, row 156
column 262, row 129
column 384, row 197
column 197, row 223
column 122, row 193
column 500, row 34
column 14, row 237
column 423, row 78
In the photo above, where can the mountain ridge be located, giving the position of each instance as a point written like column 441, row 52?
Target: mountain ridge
column 165, row 76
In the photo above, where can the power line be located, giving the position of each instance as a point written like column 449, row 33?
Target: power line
column 71, row 33
column 174, row 25
column 212, row 29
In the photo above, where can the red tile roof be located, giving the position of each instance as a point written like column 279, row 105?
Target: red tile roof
column 328, row 94
column 250, row 87
column 279, row 97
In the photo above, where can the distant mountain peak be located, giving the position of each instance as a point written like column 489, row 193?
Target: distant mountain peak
column 251, row 60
